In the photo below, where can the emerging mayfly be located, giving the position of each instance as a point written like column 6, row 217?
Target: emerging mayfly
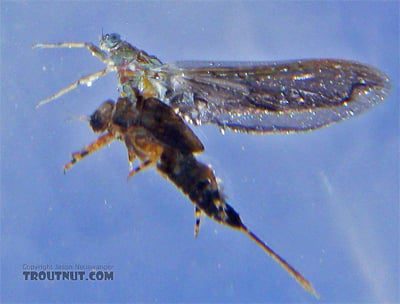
column 156, row 98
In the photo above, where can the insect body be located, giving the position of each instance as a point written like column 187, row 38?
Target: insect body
column 153, row 132
column 156, row 98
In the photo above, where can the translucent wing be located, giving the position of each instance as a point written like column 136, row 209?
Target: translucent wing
column 273, row 97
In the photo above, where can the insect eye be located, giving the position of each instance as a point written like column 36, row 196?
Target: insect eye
column 109, row 41
column 114, row 36
column 114, row 39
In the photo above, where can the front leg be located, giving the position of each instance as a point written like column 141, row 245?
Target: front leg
column 93, row 49
column 85, row 80
column 89, row 149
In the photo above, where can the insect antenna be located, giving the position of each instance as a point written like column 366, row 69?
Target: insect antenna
column 74, row 117
column 277, row 258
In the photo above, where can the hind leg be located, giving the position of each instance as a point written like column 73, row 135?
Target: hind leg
column 143, row 165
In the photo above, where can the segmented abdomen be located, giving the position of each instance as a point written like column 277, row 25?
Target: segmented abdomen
column 198, row 181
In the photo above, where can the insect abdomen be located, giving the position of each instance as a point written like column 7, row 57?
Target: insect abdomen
column 198, row 181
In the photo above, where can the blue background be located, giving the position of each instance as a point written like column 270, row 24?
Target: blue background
column 328, row 201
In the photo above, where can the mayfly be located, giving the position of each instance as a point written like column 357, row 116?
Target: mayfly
column 254, row 97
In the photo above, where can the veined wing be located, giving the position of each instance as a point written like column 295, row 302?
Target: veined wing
column 273, row 97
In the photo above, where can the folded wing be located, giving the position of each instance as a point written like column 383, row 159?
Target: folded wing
column 275, row 97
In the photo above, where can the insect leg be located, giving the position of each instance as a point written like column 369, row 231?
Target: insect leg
column 93, row 49
column 131, row 159
column 197, row 215
column 131, row 152
column 145, row 164
column 89, row 149
column 85, row 80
